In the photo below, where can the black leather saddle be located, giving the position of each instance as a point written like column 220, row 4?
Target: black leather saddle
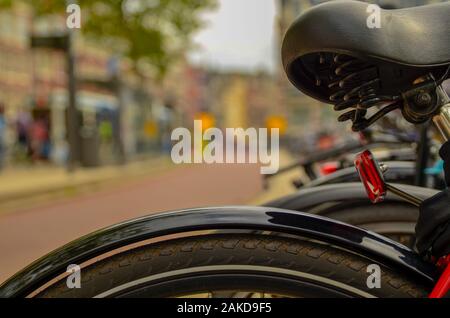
column 330, row 53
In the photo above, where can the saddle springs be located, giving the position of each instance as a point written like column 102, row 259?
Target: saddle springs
column 354, row 87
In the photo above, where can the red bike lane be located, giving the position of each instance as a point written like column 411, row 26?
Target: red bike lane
column 26, row 235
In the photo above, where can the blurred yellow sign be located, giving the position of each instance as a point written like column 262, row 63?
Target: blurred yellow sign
column 150, row 129
column 207, row 119
column 277, row 122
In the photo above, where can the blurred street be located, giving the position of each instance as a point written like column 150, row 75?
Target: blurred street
column 25, row 187
column 30, row 233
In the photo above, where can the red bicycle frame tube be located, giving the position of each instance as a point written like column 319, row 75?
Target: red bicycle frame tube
column 443, row 285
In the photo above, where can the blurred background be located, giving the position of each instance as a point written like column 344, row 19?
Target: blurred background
column 86, row 114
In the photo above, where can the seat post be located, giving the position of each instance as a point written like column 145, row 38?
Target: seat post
column 442, row 120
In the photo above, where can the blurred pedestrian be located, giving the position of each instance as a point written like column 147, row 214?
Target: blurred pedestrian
column 106, row 133
column 165, row 117
column 39, row 140
column 23, row 127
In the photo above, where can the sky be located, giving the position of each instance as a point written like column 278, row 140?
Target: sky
column 240, row 34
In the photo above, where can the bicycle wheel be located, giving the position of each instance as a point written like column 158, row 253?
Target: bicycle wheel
column 235, row 265
column 394, row 220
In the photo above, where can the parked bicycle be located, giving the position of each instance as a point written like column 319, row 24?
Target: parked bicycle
column 337, row 195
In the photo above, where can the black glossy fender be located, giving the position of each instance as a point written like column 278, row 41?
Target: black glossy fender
column 333, row 195
column 371, row 245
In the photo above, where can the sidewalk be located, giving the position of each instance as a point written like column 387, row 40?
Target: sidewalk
column 24, row 187
column 279, row 186
column 31, row 187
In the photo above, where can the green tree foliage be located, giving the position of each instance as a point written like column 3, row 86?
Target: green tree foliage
column 149, row 32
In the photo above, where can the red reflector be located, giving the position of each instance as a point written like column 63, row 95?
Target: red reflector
column 371, row 176
column 329, row 168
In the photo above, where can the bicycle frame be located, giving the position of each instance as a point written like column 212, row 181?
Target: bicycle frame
column 442, row 120
column 442, row 123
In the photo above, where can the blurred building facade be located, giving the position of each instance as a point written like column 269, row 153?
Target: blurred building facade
column 33, row 90
column 114, row 103
column 233, row 98
column 16, row 78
